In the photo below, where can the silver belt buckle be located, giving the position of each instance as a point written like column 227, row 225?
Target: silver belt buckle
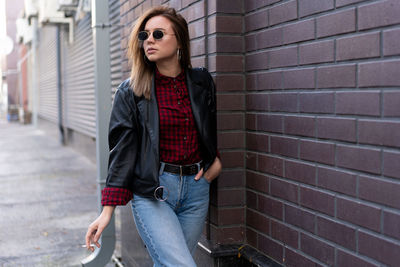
column 161, row 199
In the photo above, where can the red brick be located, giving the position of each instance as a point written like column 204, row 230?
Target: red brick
column 358, row 158
column 196, row 29
column 378, row 14
column 338, row 181
column 294, row 259
column 304, row 126
column 317, row 102
column 340, row 3
column 336, row 23
column 257, row 181
column 270, row 207
column 299, row 31
column 380, row 73
column 391, row 166
column 283, row 102
column 336, row 128
column 251, row 123
column 229, row 82
column 195, row 11
column 270, row 123
column 225, row 24
column 230, row 197
column 284, row 146
column 256, row 20
column 359, row 46
column 391, row 102
column 380, row 191
column 271, row 165
column 251, row 5
column 317, row 52
column 226, row 44
column 228, row 235
column 355, row 212
column 355, row 103
column 257, row 221
column 229, row 121
column 270, row 248
column 317, row 249
column 230, row 102
column 300, row 171
column 251, row 200
column 308, row 7
column 197, row 47
column 233, row 6
column 284, row 190
column 383, row 133
column 282, row 57
column 299, row 78
column 232, row 159
column 250, row 42
column 391, row 224
column 391, row 39
column 317, row 151
column 251, row 237
column 336, row 76
column 231, row 178
column 379, row 248
column 257, row 102
column 224, row 63
column 257, row 141
column 227, row 216
column 337, row 232
column 298, row 217
column 317, row 200
column 256, row 61
column 201, row 61
column 283, row 12
column 285, row 234
column 268, row 38
column 269, row 80
column 231, row 140
column 347, row 259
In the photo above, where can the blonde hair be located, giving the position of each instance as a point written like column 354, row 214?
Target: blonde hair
column 142, row 69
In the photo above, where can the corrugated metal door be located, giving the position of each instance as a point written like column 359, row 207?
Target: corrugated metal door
column 78, row 79
column 115, row 44
column 47, row 79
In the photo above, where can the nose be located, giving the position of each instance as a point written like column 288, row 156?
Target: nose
column 150, row 38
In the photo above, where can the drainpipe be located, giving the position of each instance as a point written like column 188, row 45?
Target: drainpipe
column 101, row 42
column 59, row 88
column 35, row 91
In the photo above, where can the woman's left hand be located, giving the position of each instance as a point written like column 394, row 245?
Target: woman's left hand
column 212, row 172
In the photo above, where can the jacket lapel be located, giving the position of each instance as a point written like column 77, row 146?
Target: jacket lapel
column 149, row 112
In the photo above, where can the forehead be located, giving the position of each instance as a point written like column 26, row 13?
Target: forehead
column 158, row 22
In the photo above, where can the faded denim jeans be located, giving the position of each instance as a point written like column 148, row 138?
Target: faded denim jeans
column 171, row 229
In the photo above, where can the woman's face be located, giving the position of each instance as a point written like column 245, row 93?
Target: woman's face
column 164, row 49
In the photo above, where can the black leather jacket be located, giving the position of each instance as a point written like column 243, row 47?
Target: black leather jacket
column 134, row 133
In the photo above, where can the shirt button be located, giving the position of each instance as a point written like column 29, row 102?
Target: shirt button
column 184, row 138
column 184, row 156
column 179, row 102
column 186, row 119
column 175, row 86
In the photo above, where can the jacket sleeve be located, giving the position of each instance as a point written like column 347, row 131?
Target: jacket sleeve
column 123, row 145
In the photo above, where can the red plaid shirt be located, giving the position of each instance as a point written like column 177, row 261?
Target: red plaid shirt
column 179, row 141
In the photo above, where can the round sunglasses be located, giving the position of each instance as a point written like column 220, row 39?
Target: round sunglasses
column 157, row 35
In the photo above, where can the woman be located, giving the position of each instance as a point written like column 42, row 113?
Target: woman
column 163, row 141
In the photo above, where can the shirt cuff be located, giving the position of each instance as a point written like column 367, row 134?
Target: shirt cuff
column 115, row 196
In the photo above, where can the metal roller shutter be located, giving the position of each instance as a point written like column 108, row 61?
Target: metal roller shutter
column 78, row 79
column 47, row 78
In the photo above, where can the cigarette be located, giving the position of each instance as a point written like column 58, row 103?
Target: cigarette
column 91, row 245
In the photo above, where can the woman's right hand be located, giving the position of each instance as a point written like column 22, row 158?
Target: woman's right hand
column 96, row 228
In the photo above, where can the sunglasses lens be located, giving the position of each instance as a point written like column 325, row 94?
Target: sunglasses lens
column 143, row 36
column 157, row 34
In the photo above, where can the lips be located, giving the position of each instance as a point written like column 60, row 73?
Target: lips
column 151, row 50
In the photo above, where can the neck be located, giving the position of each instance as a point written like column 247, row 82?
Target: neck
column 169, row 69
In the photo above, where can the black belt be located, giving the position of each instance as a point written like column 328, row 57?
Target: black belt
column 183, row 169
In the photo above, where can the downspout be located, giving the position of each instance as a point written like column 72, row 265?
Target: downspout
column 35, row 91
column 59, row 87
column 101, row 45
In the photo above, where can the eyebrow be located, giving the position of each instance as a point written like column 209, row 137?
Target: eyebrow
column 156, row 29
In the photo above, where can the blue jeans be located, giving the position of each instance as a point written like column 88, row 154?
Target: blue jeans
column 171, row 229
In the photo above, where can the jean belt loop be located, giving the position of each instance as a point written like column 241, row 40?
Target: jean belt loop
column 198, row 166
column 162, row 165
column 180, row 170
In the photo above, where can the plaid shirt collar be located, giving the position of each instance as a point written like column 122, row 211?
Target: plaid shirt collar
column 162, row 79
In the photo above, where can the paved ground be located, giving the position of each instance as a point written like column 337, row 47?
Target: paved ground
column 47, row 199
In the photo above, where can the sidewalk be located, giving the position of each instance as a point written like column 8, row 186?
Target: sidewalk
column 47, row 199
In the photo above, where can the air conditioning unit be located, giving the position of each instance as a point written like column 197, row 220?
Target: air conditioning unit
column 68, row 5
column 31, row 8
column 48, row 10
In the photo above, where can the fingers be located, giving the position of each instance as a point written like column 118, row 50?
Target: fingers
column 97, row 236
column 199, row 174
column 89, row 237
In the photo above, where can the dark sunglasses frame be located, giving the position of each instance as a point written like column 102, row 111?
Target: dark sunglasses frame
column 157, row 35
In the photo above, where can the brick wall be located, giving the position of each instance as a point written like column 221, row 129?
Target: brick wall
column 322, row 131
